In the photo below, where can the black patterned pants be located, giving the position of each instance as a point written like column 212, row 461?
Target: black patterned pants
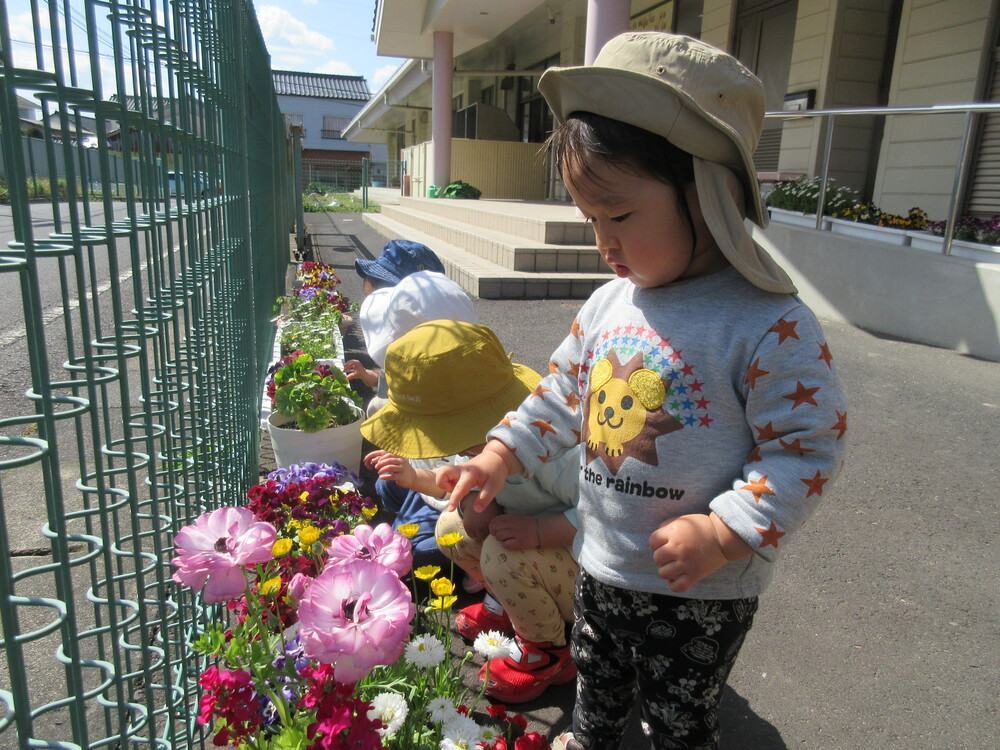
column 677, row 652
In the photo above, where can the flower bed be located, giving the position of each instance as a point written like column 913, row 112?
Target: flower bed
column 794, row 202
column 327, row 647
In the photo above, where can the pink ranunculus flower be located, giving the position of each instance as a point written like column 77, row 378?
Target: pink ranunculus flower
column 381, row 544
column 355, row 615
column 212, row 552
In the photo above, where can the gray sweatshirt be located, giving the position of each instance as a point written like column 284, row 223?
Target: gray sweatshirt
column 698, row 396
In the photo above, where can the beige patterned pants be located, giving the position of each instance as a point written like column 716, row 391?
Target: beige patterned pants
column 535, row 586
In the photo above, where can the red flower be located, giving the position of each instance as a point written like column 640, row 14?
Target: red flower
column 531, row 741
column 230, row 696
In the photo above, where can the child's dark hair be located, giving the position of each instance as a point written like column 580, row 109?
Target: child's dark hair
column 586, row 138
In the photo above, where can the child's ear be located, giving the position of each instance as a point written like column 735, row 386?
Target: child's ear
column 600, row 374
column 648, row 388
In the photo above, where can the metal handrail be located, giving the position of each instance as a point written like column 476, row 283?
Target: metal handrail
column 971, row 111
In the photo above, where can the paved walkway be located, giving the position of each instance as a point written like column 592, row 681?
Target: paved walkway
column 881, row 628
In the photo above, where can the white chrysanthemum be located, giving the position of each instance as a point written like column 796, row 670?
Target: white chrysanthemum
column 490, row 734
column 425, row 651
column 441, row 709
column 461, row 732
column 492, row 644
column 391, row 710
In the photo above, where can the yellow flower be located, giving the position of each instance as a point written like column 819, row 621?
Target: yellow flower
column 409, row 530
column 308, row 535
column 304, row 496
column 450, row 540
column 293, row 524
column 427, row 572
column 281, row 547
column 443, row 602
column 370, row 512
column 442, row 586
column 271, row 585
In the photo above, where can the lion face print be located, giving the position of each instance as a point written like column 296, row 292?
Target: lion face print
column 623, row 413
column 619, row 407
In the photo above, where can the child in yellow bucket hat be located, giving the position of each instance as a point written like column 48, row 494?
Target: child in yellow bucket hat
column 701, row 388
column 449, row 382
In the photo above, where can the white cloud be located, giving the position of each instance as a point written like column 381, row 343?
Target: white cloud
column 278, row 24
column 337, row 67
column 382, row 74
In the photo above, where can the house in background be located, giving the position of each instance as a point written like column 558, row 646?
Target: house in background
column 322, row 105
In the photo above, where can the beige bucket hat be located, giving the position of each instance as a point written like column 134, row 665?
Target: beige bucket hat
column 703, row 101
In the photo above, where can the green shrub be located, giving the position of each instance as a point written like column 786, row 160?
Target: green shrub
column 459, row 189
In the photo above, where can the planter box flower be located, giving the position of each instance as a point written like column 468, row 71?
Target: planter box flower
column 873, row 232
column 797, row 218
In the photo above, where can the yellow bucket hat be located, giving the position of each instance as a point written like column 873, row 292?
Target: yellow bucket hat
column 449, row 383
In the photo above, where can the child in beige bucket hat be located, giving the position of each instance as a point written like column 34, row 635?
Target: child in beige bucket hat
column 700, row 388
column 449, row 382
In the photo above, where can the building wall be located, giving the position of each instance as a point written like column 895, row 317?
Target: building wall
column 500, row 169
column 717, row 18
column 313, row 110
column 940, row 58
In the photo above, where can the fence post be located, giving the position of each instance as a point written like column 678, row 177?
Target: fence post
column 960, row 171
column 300, row 220
column 364, row 183
column 824, row 171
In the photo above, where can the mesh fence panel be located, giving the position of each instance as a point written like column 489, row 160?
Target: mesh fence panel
column 146, row 211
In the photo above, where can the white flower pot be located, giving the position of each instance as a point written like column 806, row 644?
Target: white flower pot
column 340, row 444
column 869, row 232
column 797, row 218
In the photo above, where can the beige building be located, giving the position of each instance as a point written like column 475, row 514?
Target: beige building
column 816, row 54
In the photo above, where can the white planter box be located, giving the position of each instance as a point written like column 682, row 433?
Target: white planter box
column 959, row 248
column 797, row 218
column 924, row 240
column 869, row 232
column 975, row 251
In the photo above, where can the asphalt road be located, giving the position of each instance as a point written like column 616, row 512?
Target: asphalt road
column 881, row 627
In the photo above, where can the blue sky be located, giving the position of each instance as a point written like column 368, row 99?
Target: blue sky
column 313, row 36
column 324, row 36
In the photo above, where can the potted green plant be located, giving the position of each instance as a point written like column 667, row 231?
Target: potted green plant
column 316, row 416
column 313, row 338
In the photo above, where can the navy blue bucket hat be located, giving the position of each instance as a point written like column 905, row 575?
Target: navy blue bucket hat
column 399, row 259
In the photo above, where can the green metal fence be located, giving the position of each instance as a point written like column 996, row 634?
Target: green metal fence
column 137, row 288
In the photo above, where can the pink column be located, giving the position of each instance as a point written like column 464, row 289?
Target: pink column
column 605, row 19
column 444, row 63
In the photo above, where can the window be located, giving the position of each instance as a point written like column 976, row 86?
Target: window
column 333, row 126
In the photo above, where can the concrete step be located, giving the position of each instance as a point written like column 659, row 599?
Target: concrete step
column 481, row 277
column 544, row 222
column 502, row 248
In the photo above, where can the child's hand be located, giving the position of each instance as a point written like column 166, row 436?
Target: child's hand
column 516, row 531
column 477, row 522
column 392, row 467
column 488, row 471
column 354, row 370
column 688, row 548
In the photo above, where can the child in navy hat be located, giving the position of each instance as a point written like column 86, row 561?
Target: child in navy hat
column 398, row 260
